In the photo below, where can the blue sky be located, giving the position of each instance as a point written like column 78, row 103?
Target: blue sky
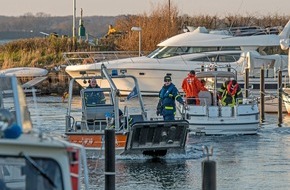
column 117, row 7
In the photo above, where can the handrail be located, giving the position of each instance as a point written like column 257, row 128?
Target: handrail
column 73, row 58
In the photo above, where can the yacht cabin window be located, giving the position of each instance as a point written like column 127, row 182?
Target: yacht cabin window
column 165, row 52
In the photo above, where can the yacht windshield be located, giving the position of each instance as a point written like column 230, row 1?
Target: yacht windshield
column 165, row 52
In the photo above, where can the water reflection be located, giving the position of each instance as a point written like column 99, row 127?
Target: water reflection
column 149, row 174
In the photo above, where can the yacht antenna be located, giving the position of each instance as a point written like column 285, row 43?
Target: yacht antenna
column 237, row 12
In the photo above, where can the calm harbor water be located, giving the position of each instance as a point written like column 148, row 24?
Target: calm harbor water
column 243, row 162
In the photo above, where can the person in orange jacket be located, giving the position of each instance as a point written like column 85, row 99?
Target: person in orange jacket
column 191, row 87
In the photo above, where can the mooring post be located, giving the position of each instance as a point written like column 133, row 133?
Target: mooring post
column 280, row 119
column 110, row 159
column 246, row 87
column 262, row 95
column 208, row 171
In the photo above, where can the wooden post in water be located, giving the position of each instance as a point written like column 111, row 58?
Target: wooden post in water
column 280, row 120
column 246, row 87
column 262, row 95
column 110, row 159
column 208, row 171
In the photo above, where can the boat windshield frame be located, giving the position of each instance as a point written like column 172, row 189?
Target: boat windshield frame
column 14, row 100
column 170, row 51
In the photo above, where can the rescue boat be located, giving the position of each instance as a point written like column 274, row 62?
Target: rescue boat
column 134, row 132
column 32, row 160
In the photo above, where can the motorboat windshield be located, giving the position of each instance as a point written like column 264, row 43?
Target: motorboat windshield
column 170, row 51
column 32, row 173
column 12, row 98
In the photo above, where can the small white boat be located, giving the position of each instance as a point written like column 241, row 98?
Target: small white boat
column 210, row 118
column 24, row 72
column 32, row 76
column 32, row 160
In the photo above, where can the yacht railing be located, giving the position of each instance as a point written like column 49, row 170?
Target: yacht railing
column 75, row 58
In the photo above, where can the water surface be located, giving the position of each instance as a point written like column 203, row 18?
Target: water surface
column 242, row 162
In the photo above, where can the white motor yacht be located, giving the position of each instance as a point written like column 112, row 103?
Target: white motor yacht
column 179, row 54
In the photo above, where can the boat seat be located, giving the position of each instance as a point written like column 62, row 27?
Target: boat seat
column 205, row 98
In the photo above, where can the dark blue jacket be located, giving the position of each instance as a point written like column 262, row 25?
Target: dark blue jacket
column 167, row 96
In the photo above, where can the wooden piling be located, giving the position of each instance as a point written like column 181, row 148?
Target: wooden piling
column 280, row 119
column 110, row 174
column 208, row 175
column 246, row 87
column 208, row 171
column 262, row 95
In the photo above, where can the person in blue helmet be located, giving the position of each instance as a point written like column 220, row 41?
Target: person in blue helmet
column 167, row 96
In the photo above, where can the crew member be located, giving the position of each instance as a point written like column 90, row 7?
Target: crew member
column 191, row 87
column 230, row 93
column 99, row 96
column 167, row 96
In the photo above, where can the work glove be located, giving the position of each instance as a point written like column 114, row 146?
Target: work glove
column 185, row 106
column 158, row 112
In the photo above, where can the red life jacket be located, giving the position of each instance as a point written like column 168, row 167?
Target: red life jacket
column 232, row 89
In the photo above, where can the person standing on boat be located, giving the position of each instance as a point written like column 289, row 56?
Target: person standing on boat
column 230, row 93
column 191, row 87
column 100, row 95
column 167, row 96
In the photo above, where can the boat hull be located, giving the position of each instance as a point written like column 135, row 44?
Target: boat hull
column 224, row 129
column 96, row 141
column 222, row 120
column 286, row 99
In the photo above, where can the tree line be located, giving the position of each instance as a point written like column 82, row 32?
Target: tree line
column 158, row 25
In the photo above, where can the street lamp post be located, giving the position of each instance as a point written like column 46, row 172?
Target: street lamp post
column 139, row 29
column 74, row 18
column 74, row 25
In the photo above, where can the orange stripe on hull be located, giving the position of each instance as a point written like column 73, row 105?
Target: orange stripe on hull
column 96, row 140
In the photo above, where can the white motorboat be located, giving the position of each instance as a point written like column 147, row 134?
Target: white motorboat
column 29, row 77
column 30, row 159
column 211, row 118
column 178, row 55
